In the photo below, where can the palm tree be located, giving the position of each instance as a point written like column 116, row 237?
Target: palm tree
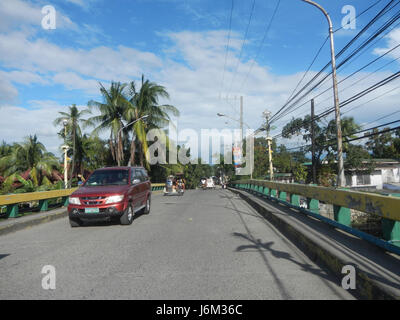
column 146, row 102
column 112, row 111
column 74, row 119
column 32, row 158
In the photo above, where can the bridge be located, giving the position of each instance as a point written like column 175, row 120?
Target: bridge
column 253, row 241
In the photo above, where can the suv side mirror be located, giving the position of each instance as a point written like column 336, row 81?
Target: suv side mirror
column 135, row 181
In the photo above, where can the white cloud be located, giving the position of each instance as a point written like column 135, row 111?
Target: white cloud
column 38, row 119
column 14, row 13
column 101, row 62
column 17, row 14
column 8, row 93
column 393, row 39
column 72, row 81
column 84, row 4
column 29, row 122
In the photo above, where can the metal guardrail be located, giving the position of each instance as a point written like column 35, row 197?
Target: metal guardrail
column 387, row 207
column 11, row 201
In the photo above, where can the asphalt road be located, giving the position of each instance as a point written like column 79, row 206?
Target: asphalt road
column 204, row 245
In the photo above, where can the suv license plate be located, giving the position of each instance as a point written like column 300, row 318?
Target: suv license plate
column 91, row 210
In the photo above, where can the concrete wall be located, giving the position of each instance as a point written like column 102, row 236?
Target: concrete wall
column 390, row 175
column 378, row 178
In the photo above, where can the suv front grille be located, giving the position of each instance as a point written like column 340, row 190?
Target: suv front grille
column 92, row 198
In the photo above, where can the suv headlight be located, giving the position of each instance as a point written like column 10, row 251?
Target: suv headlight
column 114, row 199
column 74, row 200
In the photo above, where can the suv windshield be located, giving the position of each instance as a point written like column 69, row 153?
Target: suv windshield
column 108, row 177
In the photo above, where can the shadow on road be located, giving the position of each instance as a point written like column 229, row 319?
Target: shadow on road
column 262, row 248
column 3, row 256
column 258, row 245
column 105, row 223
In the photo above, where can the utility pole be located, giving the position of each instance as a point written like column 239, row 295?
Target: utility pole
column 340, row 178
column 241, row 123
column 269, row 140
column 314, row 169
column 241, row 118
column 241, row 134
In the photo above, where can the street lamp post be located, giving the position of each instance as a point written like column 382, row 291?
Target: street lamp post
column 119, row 131
column 65, row 148
column 340, row 178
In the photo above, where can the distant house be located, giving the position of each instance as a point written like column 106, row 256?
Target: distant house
column 281, row 177
column 385, row 174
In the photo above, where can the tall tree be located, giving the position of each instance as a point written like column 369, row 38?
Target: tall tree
column 74, row 120
column 145, row 102
column 384, row 145
column 112, row 111
column 325, row 136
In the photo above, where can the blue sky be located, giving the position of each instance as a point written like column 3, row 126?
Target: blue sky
column 182, row 45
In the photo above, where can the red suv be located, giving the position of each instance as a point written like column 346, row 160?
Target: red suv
column 111, row 193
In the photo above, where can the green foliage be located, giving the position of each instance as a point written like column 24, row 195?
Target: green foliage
column 326, row 142
column 300, row 173
column 384, row 145
column 357, row 158
column 326, row 176
column 72, row 134
column 123, row 104
column 145, row 102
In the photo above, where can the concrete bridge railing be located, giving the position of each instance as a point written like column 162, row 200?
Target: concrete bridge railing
column 12, row 201
column 387, row 207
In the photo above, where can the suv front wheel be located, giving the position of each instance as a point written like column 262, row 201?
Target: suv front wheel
column 127, row 217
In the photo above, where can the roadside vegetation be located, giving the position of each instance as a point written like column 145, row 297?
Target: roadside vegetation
column 27, row 166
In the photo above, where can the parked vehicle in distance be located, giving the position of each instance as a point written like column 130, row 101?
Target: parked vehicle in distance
column 113, row 193
column 210, row 183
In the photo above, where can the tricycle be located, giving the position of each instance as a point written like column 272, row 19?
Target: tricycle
column 174, row 185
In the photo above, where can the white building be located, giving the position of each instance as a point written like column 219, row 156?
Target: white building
column 386, row 172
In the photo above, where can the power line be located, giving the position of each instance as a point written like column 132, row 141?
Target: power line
column 291, row 107
column 379, row 15
column 388, row 115
column 323, row 44
column 363, row 93
column 262, row 43
column 227, row 48
column 328, row 111
column 354, row 139
column 363, row 104
column 241, row 49
column 359, row 15
column 348, row 77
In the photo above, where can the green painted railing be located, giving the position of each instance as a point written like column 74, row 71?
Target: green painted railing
column 385, row 206
column 12, row 201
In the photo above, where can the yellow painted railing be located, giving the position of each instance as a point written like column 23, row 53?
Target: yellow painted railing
column 381, row 205
column 385, row 206
column 34, row 196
